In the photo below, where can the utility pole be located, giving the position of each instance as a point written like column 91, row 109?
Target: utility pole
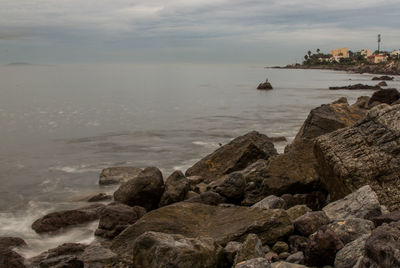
column 379, row 43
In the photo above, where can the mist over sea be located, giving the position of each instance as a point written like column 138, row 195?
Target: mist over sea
column 60, row 125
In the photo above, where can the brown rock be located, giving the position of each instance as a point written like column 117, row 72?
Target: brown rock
column 116, row 175
column 310, row 222
column 176, row 188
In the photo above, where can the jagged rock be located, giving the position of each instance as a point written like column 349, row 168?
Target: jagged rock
column 116, row 217
column 153, row 249
column 208, row 198
column 196, row 220
column 366, row 153
column 56, row 220
column 297, row 211
column 96, row 255
column 265, row 85
column 234, row 156
column 322, row 248
column 349, row 255
column 361, row 103
column 254, row 263
column 116, row 175
column 382, row 247
column 280, row 247
column 356, row 86
column 386, row 218
column 144, row 190
column 232, row 187
column 297, row 258
column 327, row 118
column 250, row 249
column 387, row 96
column 351, row 229
column 284, row 264
column 99, row 197
column 363, row 204
column 310, row 222
column 297, row 243
column 315, row 200
column 271, row 202
column 176, row 188
column 384, row 77
column 11, row 242
column 11, row 259
column 230, row 251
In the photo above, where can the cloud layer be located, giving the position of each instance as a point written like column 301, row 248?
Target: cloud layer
column 190, row 30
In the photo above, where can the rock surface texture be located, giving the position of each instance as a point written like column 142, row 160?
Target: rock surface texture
column 366, row 153
column 176, row 188
column 115, row 175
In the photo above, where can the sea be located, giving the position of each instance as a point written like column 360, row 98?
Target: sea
column 60, row 125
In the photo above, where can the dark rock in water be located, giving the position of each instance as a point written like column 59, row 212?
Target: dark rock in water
column 356, row 86
column 387, row 96
column 363, row 204
column 386, row 218
column 348, row 256
column 382, row 247
column 310, row 222
column 12, row 242
column 176, row 188
column 271, row 202
column 153, row 249
column 265, row 85
column 254, row 263
column 384, row 77
column 366, row 153
column 232, row 187
column 234, row 156
column 230, row 251
column 250, row 249
column 196, row 220
column 144, row 190
column 297, row 243
column 116, row 175
column 297, row 211
column 99, row 197
column 351, row 229
column 116, row 217
column 322, row 248
column 315, row 200
column 382, row 84
column 11, row 259
column 329, row 117
column 208, row 198
column 66, row 218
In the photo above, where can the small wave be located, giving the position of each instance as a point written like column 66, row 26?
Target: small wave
column 206, row 144
column 75, row 169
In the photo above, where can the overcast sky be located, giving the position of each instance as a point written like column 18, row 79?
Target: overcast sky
column 204, row 31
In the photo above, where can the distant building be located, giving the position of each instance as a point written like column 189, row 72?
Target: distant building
column 378, row 58
column 395, row 53
column 340, row 53
column 366, row 52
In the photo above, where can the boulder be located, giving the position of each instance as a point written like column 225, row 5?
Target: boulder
column 310, row 222
column 99, row 197
column 351, row 229
column 116, row 217
column 297, row 211
column 283, row 255
column 382, row 84
column 350, row 253
column 116, row 175
column 11, row 259
column 208, row 198
column 322, row 248
column 382, row 247
column 153, row 249
column 366, row 153
column 386, row 218
column 265, row 85
column 230, row 251
column 251, row 248
column 254, row 263
column 361, row 103
column 297, row 258
column 383, row 77
column 61, row 219
column 234, row 156
column 315, row 200
column 176, row 188
column 387, row 96
column 363, row 204
column 144, row 190
column 232, row 187
column 223, row 224
column 356, row 86
column 271, row 202
column 280, row 247
column 327, row 118
column 12, row 242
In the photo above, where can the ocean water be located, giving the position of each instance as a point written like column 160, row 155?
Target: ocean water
column 60, row 125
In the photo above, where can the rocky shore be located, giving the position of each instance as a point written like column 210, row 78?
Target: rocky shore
column 332, row 199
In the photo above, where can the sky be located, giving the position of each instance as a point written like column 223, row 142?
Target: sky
column 192, row 31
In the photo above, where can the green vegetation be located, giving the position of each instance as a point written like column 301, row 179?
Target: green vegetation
column 318, row 58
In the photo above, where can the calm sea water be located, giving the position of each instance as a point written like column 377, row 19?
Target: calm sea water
column 61, row 124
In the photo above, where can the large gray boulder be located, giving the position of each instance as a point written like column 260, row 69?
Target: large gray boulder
column 144, row 190
column 363, row 203
column 116, row 175
column 223, row 224
column 366, row 153
column 234, row 156
column 153, row 249
column 348, row 256
column 176, row 188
